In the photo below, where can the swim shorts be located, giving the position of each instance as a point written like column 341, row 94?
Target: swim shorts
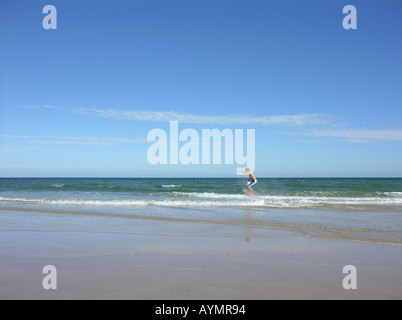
column 251, row 183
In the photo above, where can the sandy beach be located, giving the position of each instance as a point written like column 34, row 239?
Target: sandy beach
column 200, row 150
column 163, row 262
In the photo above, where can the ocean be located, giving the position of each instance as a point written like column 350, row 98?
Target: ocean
column 362, row 209
column 331, row 194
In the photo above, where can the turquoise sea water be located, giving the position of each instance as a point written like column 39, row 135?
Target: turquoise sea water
column 332, row 194
column 345, row 209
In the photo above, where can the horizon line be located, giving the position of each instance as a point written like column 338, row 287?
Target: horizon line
column 212, row 177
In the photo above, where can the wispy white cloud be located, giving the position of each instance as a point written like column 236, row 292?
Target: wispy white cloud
column 42, row 107
column 15, row 136
column 354, row 135
column 87, row 141
column 16, row 149
column 70, row 140
column 308, row 141
column 32, row 166
column 231, row 119
column 324, row 126
column 165, row 116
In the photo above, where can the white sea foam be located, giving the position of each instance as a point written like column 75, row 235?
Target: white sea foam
column 171, row 185
column 183, row 199
column 210, row 195
column 394, row 194
column 139, row 202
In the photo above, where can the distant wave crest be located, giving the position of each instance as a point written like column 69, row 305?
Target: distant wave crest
column 171, row 185
column 200, row 199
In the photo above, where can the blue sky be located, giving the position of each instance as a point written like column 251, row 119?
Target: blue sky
column 81, row 99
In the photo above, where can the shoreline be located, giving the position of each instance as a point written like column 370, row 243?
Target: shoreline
column 149, row 218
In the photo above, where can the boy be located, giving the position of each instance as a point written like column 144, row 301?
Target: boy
column 251, row 182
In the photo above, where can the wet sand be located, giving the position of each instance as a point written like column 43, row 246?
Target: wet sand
column 284, row 265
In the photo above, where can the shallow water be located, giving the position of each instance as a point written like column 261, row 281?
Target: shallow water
column 345, row 209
